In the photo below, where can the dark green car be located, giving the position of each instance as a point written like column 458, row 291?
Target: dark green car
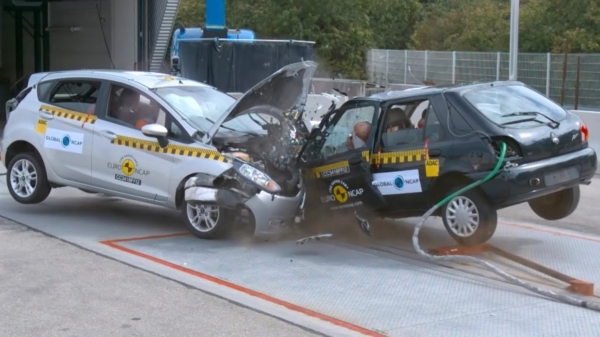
column 396, row 154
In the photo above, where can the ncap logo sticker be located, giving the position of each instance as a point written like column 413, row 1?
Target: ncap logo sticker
column 340, row 192
column 63, row 141
column 398, row 182
column 129, row 166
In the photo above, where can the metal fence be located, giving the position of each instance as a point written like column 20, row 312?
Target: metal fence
column 542, row 71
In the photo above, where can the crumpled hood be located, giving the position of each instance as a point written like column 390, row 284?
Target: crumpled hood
column 284, row 90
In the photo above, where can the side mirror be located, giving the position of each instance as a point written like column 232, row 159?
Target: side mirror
column 157, row 131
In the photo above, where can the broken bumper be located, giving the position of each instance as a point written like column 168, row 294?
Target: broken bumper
column 272, row 213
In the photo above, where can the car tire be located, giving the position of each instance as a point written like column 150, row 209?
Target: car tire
column 208, row 221
column 26, row 179
column 556, row 206
column 469, row 218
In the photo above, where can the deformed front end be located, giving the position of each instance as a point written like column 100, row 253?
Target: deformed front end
column 261, row 136
column 250, row 194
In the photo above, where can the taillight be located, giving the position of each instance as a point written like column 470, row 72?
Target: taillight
column 584, row 132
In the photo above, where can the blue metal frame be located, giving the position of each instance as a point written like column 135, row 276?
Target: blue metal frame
column 215, row 14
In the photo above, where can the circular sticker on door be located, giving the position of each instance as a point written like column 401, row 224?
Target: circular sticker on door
column 340, row 193
column 128, row 167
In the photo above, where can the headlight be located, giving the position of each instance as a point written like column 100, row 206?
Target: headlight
column 259, row 178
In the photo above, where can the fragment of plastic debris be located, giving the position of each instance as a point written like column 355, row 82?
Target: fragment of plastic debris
column 317, row 237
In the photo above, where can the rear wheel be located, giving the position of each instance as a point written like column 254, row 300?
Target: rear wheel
column 26, row 179
column 557, row 205
column 469, row 218
column 208, row 221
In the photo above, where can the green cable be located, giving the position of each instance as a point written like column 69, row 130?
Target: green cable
column 478, row 182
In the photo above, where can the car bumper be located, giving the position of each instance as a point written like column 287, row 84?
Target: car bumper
column 272, row 214
column 532, row 180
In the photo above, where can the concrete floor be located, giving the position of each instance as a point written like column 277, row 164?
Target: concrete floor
column 349, row 286
column 52, row 288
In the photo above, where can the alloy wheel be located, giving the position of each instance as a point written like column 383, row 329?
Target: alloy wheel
column 23, row 178
column 203, row 218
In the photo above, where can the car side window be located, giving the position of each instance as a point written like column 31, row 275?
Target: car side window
column 76, row 95
column 175, row 131
column 134, row 109
column 340, row 135
column 432, row 126
column 399, row 127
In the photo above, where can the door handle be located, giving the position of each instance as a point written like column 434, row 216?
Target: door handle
column 108, row 134
column 46, row 114
column 434, row 153
column 354, row 161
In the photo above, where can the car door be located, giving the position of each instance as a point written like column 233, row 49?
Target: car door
column 408, row 154
column 338, row 177
column 65, row 126
column 124, row 160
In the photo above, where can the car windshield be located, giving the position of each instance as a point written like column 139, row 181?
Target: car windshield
column 202, row 106
column 515, row 106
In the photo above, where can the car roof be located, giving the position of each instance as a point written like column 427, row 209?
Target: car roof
column 149, row 80
column 428, row 90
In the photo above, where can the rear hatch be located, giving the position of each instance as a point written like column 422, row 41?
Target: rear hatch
column 550, row 139
column 535, row 126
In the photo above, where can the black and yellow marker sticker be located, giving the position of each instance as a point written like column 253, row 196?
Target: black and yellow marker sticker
column 69, row 114
column 386, row 158
column 179, row 150
column 389, row 158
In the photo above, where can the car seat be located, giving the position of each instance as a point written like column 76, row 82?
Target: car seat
column 128, row 104
column 396, row 116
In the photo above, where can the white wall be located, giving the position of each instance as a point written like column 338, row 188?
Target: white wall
column 124, row 33
column 79, row 49
column 86, row 48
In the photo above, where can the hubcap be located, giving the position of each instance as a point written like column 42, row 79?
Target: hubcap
column 203, row 217
column 462, row 216
column 23, row 178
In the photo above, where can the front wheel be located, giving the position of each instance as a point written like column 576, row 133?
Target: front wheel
column 208, row 221
column 557, row 205
column 26, row 179
column 469, row 218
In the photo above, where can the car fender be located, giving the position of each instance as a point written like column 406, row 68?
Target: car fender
column 21, row 132
column 186, row 167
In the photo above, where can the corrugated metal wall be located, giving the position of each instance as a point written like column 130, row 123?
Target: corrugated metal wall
column 162, row 18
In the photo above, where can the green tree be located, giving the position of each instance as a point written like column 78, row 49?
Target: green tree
column 546, row 24
column 341, row 29
column 393, row 22
column 192, row 12
column 469, row 25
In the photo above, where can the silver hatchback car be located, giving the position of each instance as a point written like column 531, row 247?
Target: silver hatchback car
column 163, row 140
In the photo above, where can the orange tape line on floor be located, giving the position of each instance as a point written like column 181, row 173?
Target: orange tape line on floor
column 294, row 307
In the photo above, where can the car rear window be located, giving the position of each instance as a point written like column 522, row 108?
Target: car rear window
column 501, row 104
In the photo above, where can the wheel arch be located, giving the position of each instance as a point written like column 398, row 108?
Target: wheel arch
column 21, row 146
column 448, row 180
column 179, row 190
